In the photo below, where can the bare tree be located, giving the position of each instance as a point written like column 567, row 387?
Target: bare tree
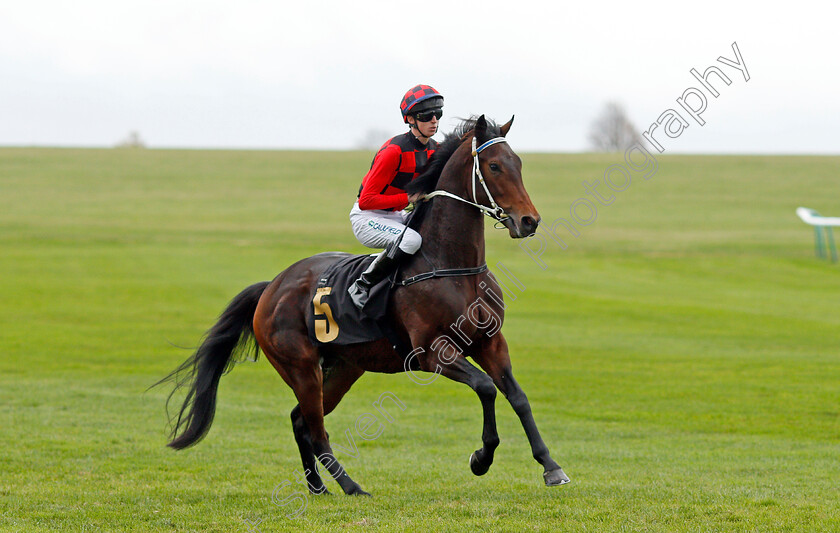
column 132, row 141
column 612, row 131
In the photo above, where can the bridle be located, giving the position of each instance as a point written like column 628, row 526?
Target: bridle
column 494, row 211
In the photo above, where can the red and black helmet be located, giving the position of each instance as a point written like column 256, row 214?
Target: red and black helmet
column 420, row 98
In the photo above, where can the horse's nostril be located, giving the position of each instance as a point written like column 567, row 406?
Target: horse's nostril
column 529, row 224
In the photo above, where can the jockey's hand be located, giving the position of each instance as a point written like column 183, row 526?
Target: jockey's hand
column 416, row 197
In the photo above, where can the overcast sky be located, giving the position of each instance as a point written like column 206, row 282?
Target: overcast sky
column 278, row 74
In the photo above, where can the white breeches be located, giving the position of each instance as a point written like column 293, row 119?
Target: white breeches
column 378, row 228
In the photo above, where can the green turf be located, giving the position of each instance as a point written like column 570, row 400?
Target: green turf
column 681, row 355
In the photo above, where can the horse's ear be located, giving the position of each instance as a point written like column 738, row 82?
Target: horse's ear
column 481, row 129
column 506, row 128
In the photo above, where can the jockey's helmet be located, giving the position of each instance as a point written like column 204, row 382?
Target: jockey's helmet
column 420, row 98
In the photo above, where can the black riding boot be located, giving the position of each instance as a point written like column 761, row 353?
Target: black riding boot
column 382, row 266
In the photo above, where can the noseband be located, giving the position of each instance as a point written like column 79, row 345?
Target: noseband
column 494, row 211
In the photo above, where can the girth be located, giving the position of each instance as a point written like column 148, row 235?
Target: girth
column 439, row 273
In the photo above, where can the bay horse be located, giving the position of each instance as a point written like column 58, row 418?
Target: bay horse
column 274, row 314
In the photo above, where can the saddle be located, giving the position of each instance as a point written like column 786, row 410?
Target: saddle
column 333, row 318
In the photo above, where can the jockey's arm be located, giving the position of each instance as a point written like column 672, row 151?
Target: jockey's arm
column 379, row 177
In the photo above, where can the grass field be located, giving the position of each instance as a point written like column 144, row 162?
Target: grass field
column 681, row 356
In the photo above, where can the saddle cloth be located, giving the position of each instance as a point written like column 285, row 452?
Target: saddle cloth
column 332, row 318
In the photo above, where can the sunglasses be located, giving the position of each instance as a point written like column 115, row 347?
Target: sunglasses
column 426, row 116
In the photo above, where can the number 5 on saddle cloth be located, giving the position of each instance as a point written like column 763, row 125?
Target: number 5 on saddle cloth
column 333, row 318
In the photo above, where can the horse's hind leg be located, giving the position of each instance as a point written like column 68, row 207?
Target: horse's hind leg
column 337, row 381
column 307, row 453
column 290, row 370
column 307, row 383
column 303, row 374
column 312, row 409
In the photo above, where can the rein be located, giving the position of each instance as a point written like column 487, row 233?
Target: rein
column 494, row 211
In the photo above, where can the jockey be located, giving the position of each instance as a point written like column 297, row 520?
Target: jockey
column 378, row 217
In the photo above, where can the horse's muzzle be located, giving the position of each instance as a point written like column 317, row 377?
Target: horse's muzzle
column 521, row 227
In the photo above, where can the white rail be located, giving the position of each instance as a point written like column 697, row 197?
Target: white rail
column 809, row 216
column 823, row 235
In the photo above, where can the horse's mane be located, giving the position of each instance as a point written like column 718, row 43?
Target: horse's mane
column 427, row 182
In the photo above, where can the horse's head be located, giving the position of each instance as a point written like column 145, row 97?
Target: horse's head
column 501, row 170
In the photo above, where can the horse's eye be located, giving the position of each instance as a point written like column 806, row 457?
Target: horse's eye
column 494, row 167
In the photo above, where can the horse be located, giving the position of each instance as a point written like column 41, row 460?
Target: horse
column 271, row 316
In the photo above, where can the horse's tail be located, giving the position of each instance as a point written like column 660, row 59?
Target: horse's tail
column 232, row 335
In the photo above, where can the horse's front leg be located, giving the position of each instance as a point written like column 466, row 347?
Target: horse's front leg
column 495, row 360
column 463, row 371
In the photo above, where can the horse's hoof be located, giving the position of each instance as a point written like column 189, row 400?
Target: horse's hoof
column 323, row 491
column 358, row 491
column 478, row 468
column 555, row 478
